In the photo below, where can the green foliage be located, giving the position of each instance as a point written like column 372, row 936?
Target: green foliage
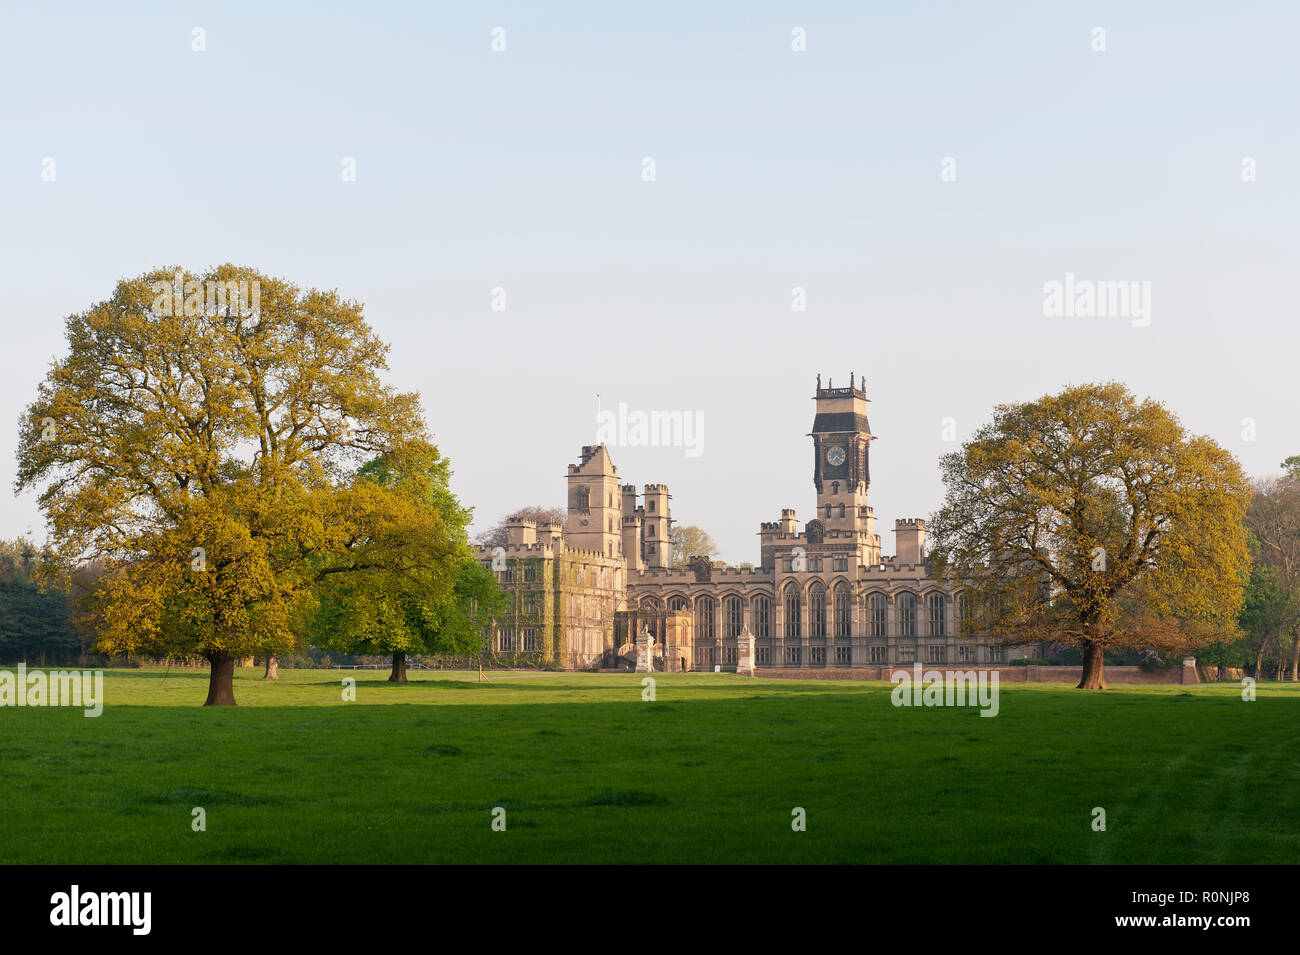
column 34, row 623
column 204, row 449
column 690, row 541
column 1093, row 519
column 442, row 608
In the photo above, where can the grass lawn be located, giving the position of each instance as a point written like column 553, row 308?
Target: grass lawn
column 588, row 772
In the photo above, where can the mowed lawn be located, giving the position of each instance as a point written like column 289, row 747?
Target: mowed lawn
column 588, row 772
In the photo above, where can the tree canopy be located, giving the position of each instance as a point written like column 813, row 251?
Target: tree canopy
column 1095, row 520
column 201, row 438
column 440, row 608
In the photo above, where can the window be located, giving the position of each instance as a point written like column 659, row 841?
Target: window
column 843, row 655
column 841, row 510
column 966, row 654
column 816, row 564
column 938, row 616
column 794, row 655
column 843, row 611
column 677, row 603
column 583, row 502
column 839, row 563
column 793, row 607
column 506, row 641
column 651, row 533
column 652, row 506
column 530, row 603
column 879, row 654
column 934, row 654
column 828, row 510
column 762, row 617
column 508, row 575
column 907, row 615
column 734, row 611
column 530, row 572
column 729, row 654
column 763, row 655
column 704, row 657
column 835, row 487
column 964, row 614
column 705, row 614
column 817, row 612
column 817, row 656
column 530, row 640
column 879, row 615
column 907, row 654
column 995, row 654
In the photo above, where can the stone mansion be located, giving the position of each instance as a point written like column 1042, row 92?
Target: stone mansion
column 821, row 597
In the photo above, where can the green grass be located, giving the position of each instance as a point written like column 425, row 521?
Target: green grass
column 587, row 772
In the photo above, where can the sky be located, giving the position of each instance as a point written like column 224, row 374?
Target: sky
column 921, row 171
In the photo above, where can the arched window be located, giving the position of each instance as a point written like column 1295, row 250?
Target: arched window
column 762, row 618
column 583, row 499
column 793, row 608
column 907, row 615
column 841, row 510
column 817, row 611
column 677, row 603
column 733, row 609
column 843, row 611
column 878, row 609
column 835, row 487
column 705, row 611
column 938, row 616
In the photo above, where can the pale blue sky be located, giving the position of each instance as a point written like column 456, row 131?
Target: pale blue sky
column 775, row 169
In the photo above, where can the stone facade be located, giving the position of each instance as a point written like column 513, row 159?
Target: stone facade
column 821, row 597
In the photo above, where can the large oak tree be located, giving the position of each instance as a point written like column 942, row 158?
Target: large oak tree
column 201, row 439
column 1093, row 519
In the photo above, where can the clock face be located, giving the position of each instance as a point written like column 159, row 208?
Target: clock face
column 835, row 456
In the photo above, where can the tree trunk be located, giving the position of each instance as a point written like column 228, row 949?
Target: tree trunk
column 221, row 680
column 272, row 669
column 1094, row 676
column 399, row 668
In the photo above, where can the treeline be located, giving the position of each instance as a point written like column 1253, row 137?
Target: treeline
column 35, row 626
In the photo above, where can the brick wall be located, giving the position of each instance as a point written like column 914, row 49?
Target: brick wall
column 1028, row 674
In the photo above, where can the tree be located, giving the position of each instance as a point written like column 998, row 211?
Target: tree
column 495, row 536
column 1274, row 520
column 1269, row 616
column 690, row 541
column 443, row 608
column 1096, row 521
column 34, row 622
column 200, row 440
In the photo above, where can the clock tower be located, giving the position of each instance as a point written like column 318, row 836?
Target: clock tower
column 841, row 472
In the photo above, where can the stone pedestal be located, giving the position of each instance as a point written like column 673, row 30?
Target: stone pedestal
column 644, row 660
column 745, row 653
